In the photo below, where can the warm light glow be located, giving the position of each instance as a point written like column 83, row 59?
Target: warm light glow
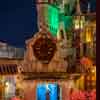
column 58, row 36
column 79, row 22
column 7, row 84
column 93, row 70
column 77, row 25
column 82, row 21
column 88, row 35
column 6, row 87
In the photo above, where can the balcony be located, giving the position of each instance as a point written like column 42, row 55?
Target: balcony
column 7, row 51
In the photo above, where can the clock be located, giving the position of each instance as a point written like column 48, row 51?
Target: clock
column 44, row 49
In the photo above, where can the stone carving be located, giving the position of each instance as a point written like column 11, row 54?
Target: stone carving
column 31, row 64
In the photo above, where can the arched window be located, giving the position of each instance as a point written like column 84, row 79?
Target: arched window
column 62, row 34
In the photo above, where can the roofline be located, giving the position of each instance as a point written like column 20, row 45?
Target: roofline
column 11, row 58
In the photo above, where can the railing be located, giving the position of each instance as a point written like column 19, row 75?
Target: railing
column 11, row 52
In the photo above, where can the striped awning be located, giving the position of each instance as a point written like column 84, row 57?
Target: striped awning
column 8, row 69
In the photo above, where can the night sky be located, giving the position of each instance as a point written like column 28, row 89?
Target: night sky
column 18, row 21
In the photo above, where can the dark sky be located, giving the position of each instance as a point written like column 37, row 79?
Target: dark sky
column 16, row 23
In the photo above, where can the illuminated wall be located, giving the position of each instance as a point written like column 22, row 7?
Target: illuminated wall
column 10, row 87
column 53, row 19
column 50, row 16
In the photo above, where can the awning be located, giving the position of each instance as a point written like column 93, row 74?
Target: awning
column 8, row 69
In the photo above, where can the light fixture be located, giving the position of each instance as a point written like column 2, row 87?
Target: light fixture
column 79, row 22
column 6, row 83
column 93, row 70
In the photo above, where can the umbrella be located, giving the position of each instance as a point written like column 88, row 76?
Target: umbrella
column 86, row 62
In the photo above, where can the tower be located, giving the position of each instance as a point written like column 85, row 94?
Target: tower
column 78, row 11
column 42, row 8
column 52, row 19
column 51, row 13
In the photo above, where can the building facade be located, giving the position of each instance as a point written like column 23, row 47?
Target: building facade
column 10, row 57
column 45, row 73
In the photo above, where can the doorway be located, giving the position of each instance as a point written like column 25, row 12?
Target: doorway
column 47, row 91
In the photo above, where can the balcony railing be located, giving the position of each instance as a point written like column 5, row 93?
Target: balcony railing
column 11, row 52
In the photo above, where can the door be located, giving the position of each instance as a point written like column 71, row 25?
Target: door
column 47, row 92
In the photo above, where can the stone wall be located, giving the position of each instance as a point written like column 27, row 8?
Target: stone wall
column 30, row 89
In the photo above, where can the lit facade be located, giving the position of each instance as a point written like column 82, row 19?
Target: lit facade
column 39, row 72
column 41, row 75
column 50, row 19
column 50, row 16
column 10, row 57
column 49, row 69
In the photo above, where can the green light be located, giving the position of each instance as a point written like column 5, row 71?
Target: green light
column 68, row 21
column 53, row 19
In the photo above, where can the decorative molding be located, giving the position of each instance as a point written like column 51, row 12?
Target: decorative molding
column 34, row 66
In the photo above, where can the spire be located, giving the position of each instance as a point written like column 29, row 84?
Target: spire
column 88, row 8
column 78, row 10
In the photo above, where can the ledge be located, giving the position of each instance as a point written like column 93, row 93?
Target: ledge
column 49, row 75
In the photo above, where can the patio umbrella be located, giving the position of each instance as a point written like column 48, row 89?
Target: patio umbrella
column 86, row 62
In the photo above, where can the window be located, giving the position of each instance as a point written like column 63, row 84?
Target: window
column 62, row 34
